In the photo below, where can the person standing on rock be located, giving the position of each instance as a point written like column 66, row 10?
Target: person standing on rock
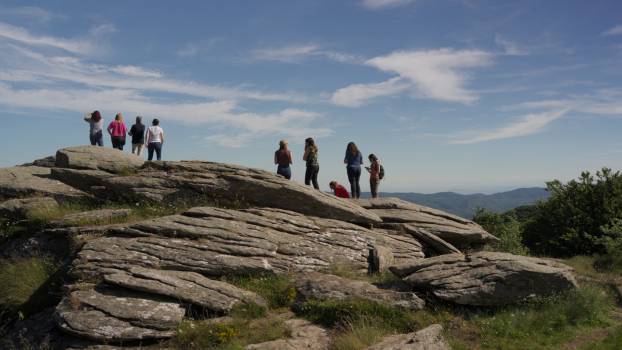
column 96, row 123
column 339, row 190
column 374, row 175
column 354, row 160
column 117, row 130
column 313, row 167
column 283, row 158
column 155, row 139
column 137, row 131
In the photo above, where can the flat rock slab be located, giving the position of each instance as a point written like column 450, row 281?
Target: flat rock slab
column 487, row 278
column 217, row 242
column 429, row 338
column 321, row 286
column 116, row 316
column 25, row 208
column 189, row 287
column 457, row 231
column 92, row 217
column 304, row 335
column 437, row 244
column 34, row 181
column 97, row 158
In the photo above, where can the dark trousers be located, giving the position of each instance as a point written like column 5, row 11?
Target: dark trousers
column 311, row 176
column 354, row 176
column 285, row 171
column 97, row 139
column 118, row 142
column 154, row 146
column 373, row 184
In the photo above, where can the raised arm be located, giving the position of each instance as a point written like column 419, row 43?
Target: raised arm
column 304, row 156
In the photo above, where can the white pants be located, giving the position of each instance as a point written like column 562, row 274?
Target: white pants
column 137, row 148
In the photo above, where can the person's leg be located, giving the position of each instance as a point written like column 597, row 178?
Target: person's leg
column 100, row 139
column 316, row 171
column 139, row 149
column 357, row 178
column 134, row 146
column 158, row 149
column 93, row 139
column 288, row 173
column 150, row 149
column 373, row 185
column 308, row 174
column 352, row 179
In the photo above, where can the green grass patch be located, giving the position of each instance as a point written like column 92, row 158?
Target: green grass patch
column 22, row 280
column 358, row 334
column 612, row 342
column 277, row 290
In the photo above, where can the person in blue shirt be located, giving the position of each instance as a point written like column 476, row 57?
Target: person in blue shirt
column 353, row 161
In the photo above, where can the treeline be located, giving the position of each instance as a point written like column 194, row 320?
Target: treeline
column 581, row 217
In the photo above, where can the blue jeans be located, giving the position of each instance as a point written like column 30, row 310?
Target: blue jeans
column 154, row 146
column 97, row 139
column 354, row 176
column 285, row 171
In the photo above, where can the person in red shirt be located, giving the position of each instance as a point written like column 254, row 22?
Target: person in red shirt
column 339, row 190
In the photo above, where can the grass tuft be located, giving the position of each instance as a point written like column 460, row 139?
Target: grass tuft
column 277, row 290
column 20, row 280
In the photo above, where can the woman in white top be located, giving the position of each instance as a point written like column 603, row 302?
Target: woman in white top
column 155, row 139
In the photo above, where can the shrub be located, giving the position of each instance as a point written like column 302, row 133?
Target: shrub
column 20, row 280
column 505, row 227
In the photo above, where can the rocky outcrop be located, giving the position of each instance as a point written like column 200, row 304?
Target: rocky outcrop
column 97, row 158
column 459, row 232
column 319, row 286
column 486, row 278
column 217, row 242
column 92, row 217
column 304, row 335
column 429, row 338
column 34, row 181
column 432, row 241
column 26, row 208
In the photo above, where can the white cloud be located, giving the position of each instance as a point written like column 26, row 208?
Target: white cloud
column 356, row 95
column 134, row 71
column 79, row 46
column 524, row 125
column 103, row 29
column 377, row 4
column 297, row 53
column 617, row 30
column 30, row 12
column 436, row 74
column 605, row 102
column 510, row 48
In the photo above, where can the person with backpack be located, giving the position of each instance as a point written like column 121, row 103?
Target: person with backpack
column 375, row 174
column 353, row 161
column 137, row 131
column 283, row 158
column 117, row 130
column 339, row 190
column 155, row 139
column 313, row 167
column 96, row 132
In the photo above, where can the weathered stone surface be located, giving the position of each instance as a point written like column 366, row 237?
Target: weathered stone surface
column 304, row 335
column 97, row 158
column 486, row 278
column 457, row 231
column 92, row 217
column 321, row 286
column 217, row 242
column 24, row 208
column 186, row 286
column 117, row 316
column 436, row 243
column 429, row 338
column 34, row 181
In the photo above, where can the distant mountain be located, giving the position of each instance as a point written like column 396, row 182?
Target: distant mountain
column 465, row 205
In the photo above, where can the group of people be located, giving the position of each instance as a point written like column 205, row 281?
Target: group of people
column 353, row 160
column 153, row 137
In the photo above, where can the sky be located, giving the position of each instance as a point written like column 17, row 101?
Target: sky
column 451, row 95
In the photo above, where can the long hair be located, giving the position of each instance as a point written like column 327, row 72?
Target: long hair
column 373, row 157
column 96, row 116
column 282, row 145
column 119, row 117
column 352, row 148
column 310, row 144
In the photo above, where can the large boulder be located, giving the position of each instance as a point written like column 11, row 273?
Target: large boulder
column 217, row 242
column 429, row 338
column 34, row 181
column 486, row 278
column 459, row 232
column 26, row 208
column 319, row 286
column 97, row 158
column 304, row 335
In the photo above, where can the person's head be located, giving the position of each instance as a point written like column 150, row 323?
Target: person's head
column 118, row 117
column 332, row 185
column 310, row 143
column 283, row 144
column 373, row 158
column 352, row 149
column 139, row 119
column 96, row 116
column 155, row 122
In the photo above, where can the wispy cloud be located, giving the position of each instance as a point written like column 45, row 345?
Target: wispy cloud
column 617, row 30
column 378, row 4
column 134, row 71
column 356, row 95
column 196, row 48
column 298, row 53
column 103, row 29
column 524, row 125
column 604, row 102
column 30, row 12
column 18, row 34
column 510, row 48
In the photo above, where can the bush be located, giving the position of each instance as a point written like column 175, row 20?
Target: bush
column 20, row 280
column 505, row 227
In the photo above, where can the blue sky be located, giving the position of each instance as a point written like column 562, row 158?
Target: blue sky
column 451, row 95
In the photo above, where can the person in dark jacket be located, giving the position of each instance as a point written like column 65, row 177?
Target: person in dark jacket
column 137, row 131
column 313, row 167
column 283, row 158
column 353, row 161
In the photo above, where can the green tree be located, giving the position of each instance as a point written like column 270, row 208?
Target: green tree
column 505, row 227
column 579, row 218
